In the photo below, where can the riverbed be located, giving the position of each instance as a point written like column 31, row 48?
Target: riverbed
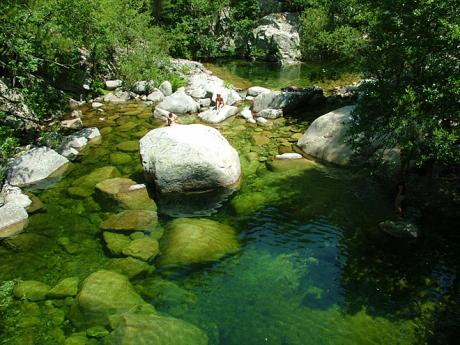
column 313, row 267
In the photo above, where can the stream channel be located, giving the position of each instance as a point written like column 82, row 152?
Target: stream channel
column 313, row 267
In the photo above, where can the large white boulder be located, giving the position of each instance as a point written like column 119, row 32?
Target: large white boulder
column 214, row 116
column 35, row 166
column 325, row 138
column 230, row 96
column 13, row 218
column 185, row 158
column 179, row 103
column 278, row 35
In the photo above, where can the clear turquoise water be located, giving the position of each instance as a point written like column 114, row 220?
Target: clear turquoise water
column 313, row 267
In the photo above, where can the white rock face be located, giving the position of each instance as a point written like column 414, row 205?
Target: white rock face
column 289, row 155
column 166, row 88
column 214, row 116
column 13, row 218
column 34, row 166
column 14, row 195
column 325, row 138
column 270, row 113
column 113, row 84
column 257, row 90
column 155, row 96
column 179, row 103
column 278, row 35
column 185, row 158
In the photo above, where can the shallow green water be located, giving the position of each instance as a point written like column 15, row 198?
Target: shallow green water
column 313, row 267
column 244, row 74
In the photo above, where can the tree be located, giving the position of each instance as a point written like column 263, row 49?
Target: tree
column 413, row 99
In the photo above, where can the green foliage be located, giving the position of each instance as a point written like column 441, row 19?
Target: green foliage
column 333, row 30
column 413, row 100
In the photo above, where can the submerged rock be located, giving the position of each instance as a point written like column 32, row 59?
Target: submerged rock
column 214, row 116
column 89, row 181
column 148, row 328
column 35, row 166
column 67, row 287
column 144, row 248
column 102, row 294
column 129, row 267
column 140, row 220
column 185, row 158
column 190, row 240
column 326, row 137
column 116, row 242
column 31, row 290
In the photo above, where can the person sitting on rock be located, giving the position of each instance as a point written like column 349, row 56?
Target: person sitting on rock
column 172, row 119
column 219, row 102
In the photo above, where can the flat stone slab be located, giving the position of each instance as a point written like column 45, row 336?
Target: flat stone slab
column 35, row 166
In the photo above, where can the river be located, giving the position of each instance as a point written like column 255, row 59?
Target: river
column 313, row 267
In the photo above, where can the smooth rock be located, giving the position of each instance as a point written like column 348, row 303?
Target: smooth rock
column 247, row 114
column 102, row 294
column 35, row 166
column 126, row 193
column 261, row 121
column 129, row 266
column 270, row 113
column 148, row 328
column 116, row 242
column 97, row 105
column 205, row 102
column 67, row 287
column 191, row 240
column 155, row 96
column 113, row 84
column 132, row 220
column 14, row 195
column 166, row 88
column 13, row 219
column 255, row 91
column 179, row 103
column 230, row 96
column 326, row 137
column 214, row 116
column 144, row 248
column 185, row 158
column 129, row 146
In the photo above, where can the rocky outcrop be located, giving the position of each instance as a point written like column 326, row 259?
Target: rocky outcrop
column 17, row 114
column 186, row 158
column 179, row 103
column 277, row 38
column 325, row 138
column 214, row 116
column 190, row 240
column 35, row 166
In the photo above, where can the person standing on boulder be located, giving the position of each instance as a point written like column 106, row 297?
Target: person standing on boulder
column 219, row 102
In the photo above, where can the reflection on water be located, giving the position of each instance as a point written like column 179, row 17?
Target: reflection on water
column 313, row 268
column 244, row 74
